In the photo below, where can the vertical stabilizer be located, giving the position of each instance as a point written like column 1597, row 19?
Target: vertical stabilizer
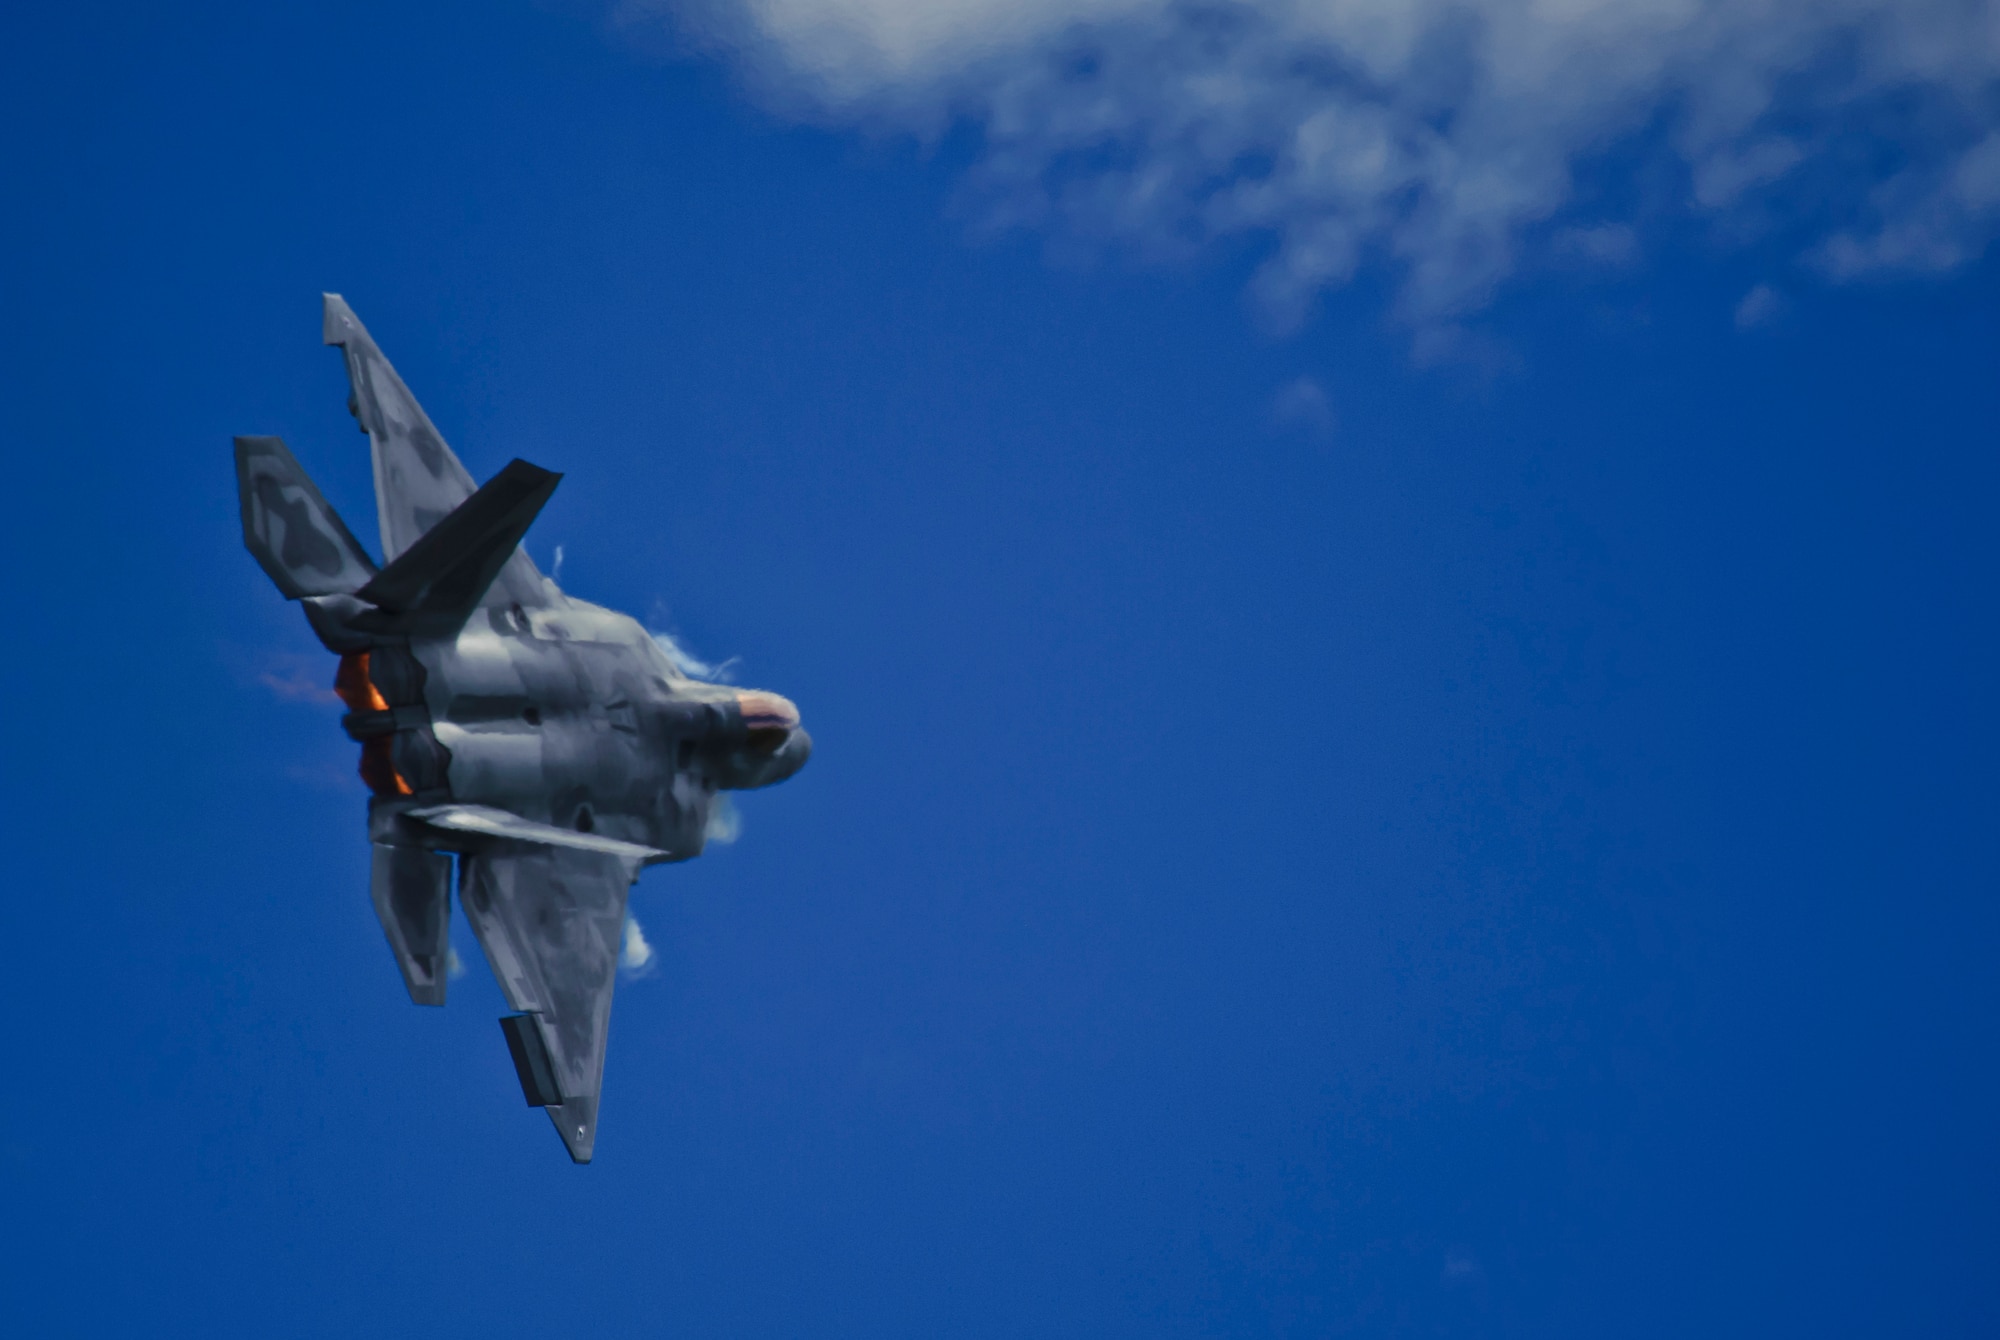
column 418, row 480
column 290, row 528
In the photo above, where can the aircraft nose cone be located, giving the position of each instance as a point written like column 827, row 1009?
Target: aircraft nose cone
column 767, row 711
column 768, row 720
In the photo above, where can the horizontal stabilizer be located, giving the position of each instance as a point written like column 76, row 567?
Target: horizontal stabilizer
column 490, row 822
column 290, row 528
column 437, row 582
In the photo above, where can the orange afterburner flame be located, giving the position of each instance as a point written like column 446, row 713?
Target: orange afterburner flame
column 353, row 687
column 379, row 770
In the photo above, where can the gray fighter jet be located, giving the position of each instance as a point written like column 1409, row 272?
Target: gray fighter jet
column 550, row 745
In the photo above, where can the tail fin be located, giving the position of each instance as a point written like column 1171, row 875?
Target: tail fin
column 417, row 478
column 290, row 528
column 434, row 585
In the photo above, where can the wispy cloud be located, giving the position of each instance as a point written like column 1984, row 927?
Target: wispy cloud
column 636, row 957
column 325, row 776
column 1457, row 141
column 1760, row 306
column 1461, row 1267
column 299, row 679
column 1301, row 405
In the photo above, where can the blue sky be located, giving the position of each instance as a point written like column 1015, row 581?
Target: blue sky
column 1438, row 788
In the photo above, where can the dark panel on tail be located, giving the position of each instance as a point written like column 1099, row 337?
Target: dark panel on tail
column 290, row 528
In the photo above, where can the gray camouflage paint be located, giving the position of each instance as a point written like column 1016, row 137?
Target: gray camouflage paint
column 549, row 744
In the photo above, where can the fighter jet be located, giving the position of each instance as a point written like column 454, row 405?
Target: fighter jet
column 548, row 747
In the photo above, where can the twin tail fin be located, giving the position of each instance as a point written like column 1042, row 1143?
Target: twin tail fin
column 431, row 588
column 290, row 528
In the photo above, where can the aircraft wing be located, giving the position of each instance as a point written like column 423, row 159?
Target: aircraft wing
column 489, row 822
column 418, row 481
column 550, row 919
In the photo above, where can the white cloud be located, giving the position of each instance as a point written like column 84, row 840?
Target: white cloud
column 1302, row 404
column 1456, row 140
column 1606, row 244
column 637, row 956
column 1759, row 306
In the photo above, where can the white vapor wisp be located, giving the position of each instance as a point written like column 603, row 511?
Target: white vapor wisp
column 725, row 821
column 636, row 957
column 691, row 665
column 1458, row 140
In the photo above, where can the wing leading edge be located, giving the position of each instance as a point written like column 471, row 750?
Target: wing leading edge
column 549, row 919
